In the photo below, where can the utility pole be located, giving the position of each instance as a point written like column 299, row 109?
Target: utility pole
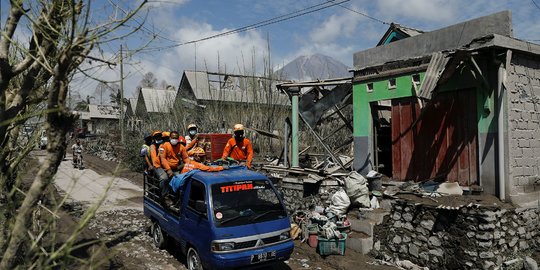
column 121, row 96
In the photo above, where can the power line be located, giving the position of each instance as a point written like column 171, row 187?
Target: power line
column 535, row 4
column 288, row 16
column 364, row 14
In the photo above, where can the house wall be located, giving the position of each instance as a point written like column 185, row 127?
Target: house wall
column 523, row 130
column 362, row 120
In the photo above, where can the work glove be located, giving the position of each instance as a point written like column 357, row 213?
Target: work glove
column 225, row 166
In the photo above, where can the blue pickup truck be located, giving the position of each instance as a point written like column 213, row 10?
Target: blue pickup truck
column 228, row 219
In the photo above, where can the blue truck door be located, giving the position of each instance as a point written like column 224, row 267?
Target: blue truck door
column 194, row 223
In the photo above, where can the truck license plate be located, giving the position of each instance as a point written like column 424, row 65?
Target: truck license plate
column 262, row 257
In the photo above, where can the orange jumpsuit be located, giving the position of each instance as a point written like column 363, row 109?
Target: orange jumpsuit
column 171, row 155
column 156, row 157
column 194, row 165
column 241, row 150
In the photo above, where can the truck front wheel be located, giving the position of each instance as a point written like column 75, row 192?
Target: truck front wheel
column 193, row 260
column 158, row 237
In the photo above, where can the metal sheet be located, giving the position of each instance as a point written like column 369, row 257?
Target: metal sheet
column 436, row 67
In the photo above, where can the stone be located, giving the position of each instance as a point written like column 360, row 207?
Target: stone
column 486, row 255
column 421, row 230
column 396, row 216
column 424, row 256
column 484, row 236
column 471, row 253
column 413, row 250
column 437, row 252
column 486, row 244
column 398, row 224
column 502, row 241
column 409, row 226
column 470, row 234
column 523, row 245
column 497, row 235
column 486, row 227
column 408, row 217
column 403, row 249
column 513, row 242
column 377, row 245
column 521, row 231
column 406, row 239
column 427, row 224
column 434, row 241
column 489, row 265
column 511, row 232
column 397, row 239
column 530, row 264
column 422, row 238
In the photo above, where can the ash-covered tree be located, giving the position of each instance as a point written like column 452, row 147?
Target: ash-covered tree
column 43, row 44
column 149, row 80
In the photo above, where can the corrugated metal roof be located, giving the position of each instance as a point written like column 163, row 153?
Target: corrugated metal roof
column 435, row 69
column 232, row 88
column 158, row 100
column 103, row 111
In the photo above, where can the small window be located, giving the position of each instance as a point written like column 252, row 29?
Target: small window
column 369, row 87
column 416, row 78
column 392, row 84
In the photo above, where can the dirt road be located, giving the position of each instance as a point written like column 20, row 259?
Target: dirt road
column 124, row 230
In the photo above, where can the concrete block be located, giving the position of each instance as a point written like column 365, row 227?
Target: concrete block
column 362, row 225
column 359, row 243
column 376, row 215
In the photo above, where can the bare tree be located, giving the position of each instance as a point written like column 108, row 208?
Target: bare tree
column 34, row 80
column 149, row 80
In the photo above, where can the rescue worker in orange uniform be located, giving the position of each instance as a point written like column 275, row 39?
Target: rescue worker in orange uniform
column 192, row 137
column 173, row 153
column 238, row 147
column 199, row 156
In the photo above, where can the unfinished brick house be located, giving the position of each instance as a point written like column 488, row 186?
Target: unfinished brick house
column 460, row 104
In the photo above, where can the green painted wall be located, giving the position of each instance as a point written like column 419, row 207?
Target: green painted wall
column 362, row 98
column 461, row 79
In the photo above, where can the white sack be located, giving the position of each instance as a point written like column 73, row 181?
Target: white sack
column 340, row 203
column 357, row 189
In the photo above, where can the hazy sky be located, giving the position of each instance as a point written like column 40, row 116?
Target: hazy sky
column 337, row 31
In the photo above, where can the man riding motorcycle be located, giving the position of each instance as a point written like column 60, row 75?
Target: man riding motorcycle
column 77, row 149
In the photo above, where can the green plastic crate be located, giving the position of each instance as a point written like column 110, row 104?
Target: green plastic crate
column 332, row 246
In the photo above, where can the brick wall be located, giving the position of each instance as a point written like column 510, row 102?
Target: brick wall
column 523, row 84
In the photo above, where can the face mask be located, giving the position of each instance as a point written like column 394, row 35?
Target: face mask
column 192, row 132
column 159, row 141
column 239, row 135
column 174, row 141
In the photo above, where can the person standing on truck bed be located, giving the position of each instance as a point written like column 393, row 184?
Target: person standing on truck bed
column 173, row 154
column 191, row 137
column 155, row 153
column 199, row 156
column 238, row 147
column 145, row 152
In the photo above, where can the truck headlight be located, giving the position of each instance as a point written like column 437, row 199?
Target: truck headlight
column 285, row 235
column 222, row 246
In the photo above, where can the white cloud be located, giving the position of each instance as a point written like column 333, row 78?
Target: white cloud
column 234, row 52
column 424, row 10
column 337, row 25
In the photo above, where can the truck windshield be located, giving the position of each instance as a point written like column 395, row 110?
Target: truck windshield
column 245, row 202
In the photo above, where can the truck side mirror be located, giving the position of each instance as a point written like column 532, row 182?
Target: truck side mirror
column 200, row 206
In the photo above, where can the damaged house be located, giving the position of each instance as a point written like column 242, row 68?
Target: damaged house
column 462, row 105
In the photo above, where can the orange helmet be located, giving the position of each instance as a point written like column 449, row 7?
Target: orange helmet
column 165, row 134
column 156, row 132
column 238, row 127
column 196, row 151
column 182, row 140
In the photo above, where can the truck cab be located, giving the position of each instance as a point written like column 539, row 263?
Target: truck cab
column 228, row 219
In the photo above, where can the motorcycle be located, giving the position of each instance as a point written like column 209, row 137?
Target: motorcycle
column 78, row 161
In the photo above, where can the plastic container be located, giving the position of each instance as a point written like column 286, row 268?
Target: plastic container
column 313, row 240
column 332, row 246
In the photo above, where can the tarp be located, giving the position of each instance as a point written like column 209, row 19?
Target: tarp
column 178, row 180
